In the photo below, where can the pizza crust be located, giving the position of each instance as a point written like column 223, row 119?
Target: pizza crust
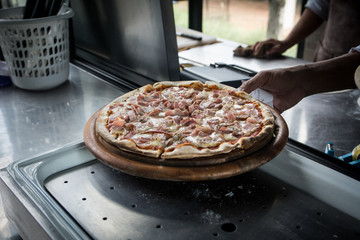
column 244, row 145
column 167, row 84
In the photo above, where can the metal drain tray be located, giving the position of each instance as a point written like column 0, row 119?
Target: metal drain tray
column 67, row 194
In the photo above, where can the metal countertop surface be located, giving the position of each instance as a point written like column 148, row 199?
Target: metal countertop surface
column 35, row 122
column 328, row 117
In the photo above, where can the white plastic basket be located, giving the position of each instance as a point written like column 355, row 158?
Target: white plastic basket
column 36, row 50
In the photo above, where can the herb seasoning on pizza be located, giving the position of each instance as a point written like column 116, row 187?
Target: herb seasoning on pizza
column 186, row 119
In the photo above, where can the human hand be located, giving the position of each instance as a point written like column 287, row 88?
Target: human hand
column 280, row 83
column 270, row 47
column 289, row 85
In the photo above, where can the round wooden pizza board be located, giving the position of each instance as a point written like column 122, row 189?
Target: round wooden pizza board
column 196, row 169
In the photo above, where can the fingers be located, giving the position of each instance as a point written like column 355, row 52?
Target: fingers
column 248, row 86
column 269, row 48
column 259, row 45
column 282, row 102
column 256, row 46
column 257, row 81
column 281, row 105
column 277, row 109
column 278, row 105
column 274, row 50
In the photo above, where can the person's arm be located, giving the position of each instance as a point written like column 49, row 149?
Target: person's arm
column 289, row 85
column 307, row 24
column 331, row 75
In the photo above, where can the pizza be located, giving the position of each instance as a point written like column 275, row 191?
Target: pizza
column 185, row 119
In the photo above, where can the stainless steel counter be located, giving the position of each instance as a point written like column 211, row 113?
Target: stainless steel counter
column 35, row 122
column 68, row 194
column 329, row 117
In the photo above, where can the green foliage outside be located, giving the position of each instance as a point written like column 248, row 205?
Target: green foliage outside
column 223, row 29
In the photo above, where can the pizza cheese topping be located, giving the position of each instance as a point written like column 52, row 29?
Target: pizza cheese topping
column 168, row 117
